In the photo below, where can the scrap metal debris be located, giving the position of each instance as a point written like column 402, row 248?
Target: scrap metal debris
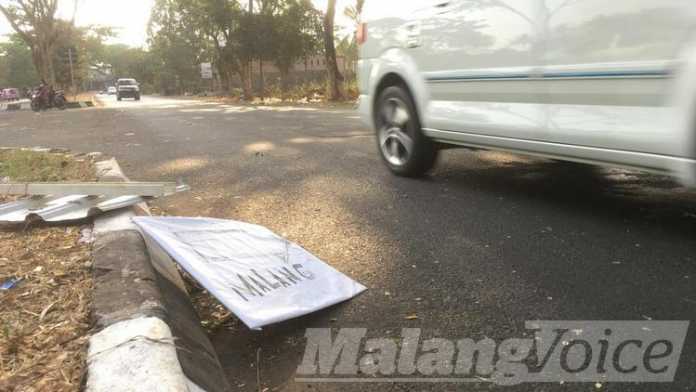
column 10, row 283
column 110, row 189
column 77, row 201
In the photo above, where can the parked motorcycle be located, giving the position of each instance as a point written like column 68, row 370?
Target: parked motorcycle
column 56, row 99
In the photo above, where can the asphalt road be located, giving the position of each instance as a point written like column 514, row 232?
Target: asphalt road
column 485, row 243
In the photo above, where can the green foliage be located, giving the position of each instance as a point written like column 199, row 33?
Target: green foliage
column 295, row 30
column 31, row 166
column 34, row 22
column 85, row 45
column 16, row 67
column 185, row 33
column 128, row 62
column 70, row 45
column 348, row 48
column 180, row 39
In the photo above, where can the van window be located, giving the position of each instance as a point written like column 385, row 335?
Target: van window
column 386, row 9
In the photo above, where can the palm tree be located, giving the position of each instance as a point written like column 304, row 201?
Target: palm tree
column 355, row 12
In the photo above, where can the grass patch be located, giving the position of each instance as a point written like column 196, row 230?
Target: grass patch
column 33, row 166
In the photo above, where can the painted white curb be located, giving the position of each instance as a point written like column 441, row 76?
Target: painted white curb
column 135, row 355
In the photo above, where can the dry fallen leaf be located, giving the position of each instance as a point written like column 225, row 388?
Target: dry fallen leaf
column 45, row 351
column 412, row 317
column 45, row 311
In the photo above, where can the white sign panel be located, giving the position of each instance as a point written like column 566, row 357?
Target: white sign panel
column 261, row 277
column 206, row 70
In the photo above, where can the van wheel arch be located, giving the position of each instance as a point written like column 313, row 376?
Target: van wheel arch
column 393, row 80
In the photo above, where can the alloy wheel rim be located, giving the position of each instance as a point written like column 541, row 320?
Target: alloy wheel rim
column 394, row 141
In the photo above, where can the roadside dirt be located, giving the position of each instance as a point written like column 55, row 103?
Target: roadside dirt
column 44, row 318
column 46, row 280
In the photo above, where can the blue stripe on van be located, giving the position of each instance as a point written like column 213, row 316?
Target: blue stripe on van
column 555, row 75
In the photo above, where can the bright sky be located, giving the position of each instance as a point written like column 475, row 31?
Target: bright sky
column 130, row 17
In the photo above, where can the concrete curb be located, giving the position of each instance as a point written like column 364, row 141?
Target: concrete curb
column 79, row 105
column 149, row 338
column 18, row 105
column 22, row 105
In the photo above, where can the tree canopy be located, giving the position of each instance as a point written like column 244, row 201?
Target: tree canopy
column 182, row 34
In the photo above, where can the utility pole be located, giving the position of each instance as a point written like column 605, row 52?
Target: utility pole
column 251, row 60
column 72, row 73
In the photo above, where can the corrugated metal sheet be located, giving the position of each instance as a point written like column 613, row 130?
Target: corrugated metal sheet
column 64, row 208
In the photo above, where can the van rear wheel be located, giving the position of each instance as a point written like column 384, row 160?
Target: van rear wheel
column 404, row 148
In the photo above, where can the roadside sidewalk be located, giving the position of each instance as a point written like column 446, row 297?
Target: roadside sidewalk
column 149, row 338
column 15, row 105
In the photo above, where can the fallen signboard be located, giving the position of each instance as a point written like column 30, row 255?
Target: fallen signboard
column 259, row 276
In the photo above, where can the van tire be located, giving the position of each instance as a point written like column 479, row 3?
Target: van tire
column 397, row 126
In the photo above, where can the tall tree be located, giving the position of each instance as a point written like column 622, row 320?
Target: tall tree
column 295, row 29
column 35, row 22
column 334, row 81
column 16, row 67
column 178, row 43
column 348, row 46
column 354, row 12
column 229, row 26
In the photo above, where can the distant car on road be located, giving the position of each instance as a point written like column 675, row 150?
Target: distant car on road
column 602, row 82
column 111, row 90
column 10, row 94
column 128, row 88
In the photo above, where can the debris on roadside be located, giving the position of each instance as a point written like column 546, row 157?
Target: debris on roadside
column 10, row 283
column 260, row 277
column 66, row 202
column 44, row 309
column 86, row 236
column 110, row 189
column 46, row 284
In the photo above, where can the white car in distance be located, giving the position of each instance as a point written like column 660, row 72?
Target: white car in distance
column 594, row 81
column 127, row 88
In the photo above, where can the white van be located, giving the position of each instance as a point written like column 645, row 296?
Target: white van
column 595, row 81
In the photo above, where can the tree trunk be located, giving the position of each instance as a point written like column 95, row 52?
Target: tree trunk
column 334, row 78
column 262, row 87
column 43, row 62
column 284, row 79
column 245, row 77
column 223, row 78
column 229, row 81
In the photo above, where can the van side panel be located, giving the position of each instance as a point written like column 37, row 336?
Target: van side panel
column 478, row 59
column 611, row 73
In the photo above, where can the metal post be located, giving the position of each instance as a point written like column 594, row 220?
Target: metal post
column 72, row 74
column 250, row 64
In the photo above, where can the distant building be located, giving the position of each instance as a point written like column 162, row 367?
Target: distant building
column 99, row 77
column 310, row 64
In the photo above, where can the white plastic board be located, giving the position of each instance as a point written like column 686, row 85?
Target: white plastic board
column 259, row 276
